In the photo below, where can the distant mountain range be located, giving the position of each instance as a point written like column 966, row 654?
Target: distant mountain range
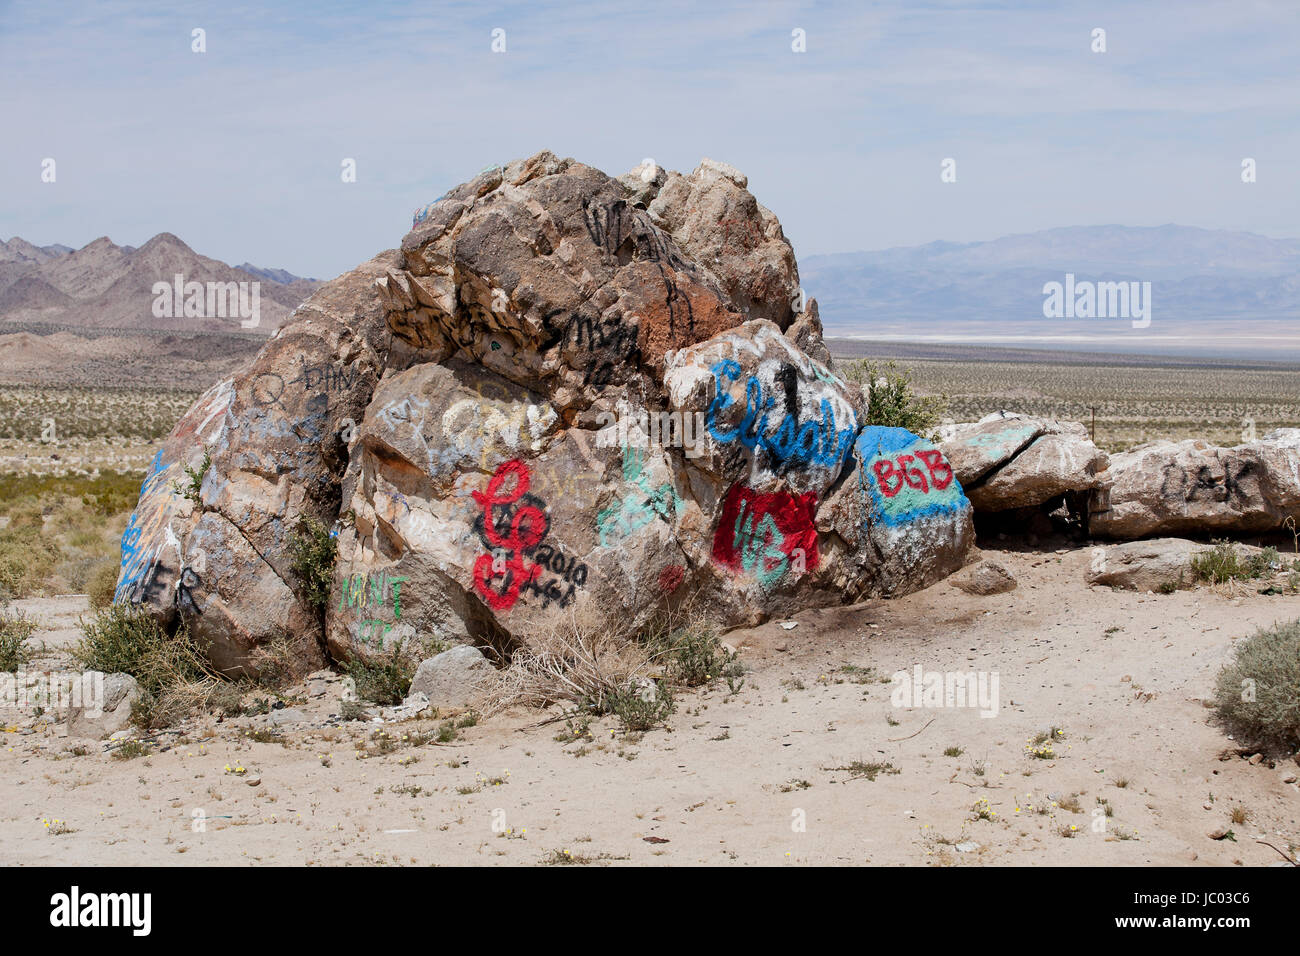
column 106, row 286
column 1203, row 283
column 86, row 316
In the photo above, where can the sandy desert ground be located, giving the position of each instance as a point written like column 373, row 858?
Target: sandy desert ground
column 1122, row 674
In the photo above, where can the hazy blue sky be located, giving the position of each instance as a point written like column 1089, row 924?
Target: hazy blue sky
column 238, row 150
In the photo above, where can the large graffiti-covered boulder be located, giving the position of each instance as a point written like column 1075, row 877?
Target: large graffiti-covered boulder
column 566, row 396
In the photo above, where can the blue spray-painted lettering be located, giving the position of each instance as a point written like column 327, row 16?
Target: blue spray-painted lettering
column 810, row 442
column 136, row 557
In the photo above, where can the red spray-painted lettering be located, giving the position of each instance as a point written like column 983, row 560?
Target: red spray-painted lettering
column 527, row 525
column 891, row 477
column 767, row 535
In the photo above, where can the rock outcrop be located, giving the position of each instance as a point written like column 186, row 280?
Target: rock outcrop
column 567, row 396
column 1153, row 565
column 1191, row 487
column 101, row 704
column 455, row 679
column 984, row 578
column 1008, row 461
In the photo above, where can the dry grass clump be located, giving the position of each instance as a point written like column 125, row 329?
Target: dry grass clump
column 630, row 673
column 575, row 662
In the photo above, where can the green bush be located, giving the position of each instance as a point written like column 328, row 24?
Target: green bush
column 891, row 401
column 312, row 551
column 126, row 639
column 15, row 629
column 1257, row 694
column 191, row 488
column 692, row 652
column 384, row 679
column 1226, row 563
column 641, row 708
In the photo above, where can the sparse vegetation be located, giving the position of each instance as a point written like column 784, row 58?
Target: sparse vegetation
column 868, row 768
column 1225, row 563
column 892, row 400
column 1159, row 402
column 312, row 551
column 85, row 413
column 56, row 538
column 384, row 678
column 1257, row 694
column 1042, row 746
column 15, row 629
column 130, row 749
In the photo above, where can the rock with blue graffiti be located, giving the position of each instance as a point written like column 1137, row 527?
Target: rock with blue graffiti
column 268, row 448
column 1008, row 461
column 902, row 514
column 771, row 412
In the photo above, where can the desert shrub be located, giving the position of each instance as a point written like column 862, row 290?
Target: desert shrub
column 690, row 649
column 891, row 399
column 27, row 560
column 1225, row 563
column 1257, row 694
column 190, row 489
column 312, row 550
column 15, row 629
column 174, row 677
column 102, row 584
column 125, row 639
column 643, row 707
column 383, row 679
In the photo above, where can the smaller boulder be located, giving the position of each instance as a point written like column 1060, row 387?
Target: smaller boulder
column 101, row 704
column 987, row 577
column 1153, row 565
column 455, row 679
